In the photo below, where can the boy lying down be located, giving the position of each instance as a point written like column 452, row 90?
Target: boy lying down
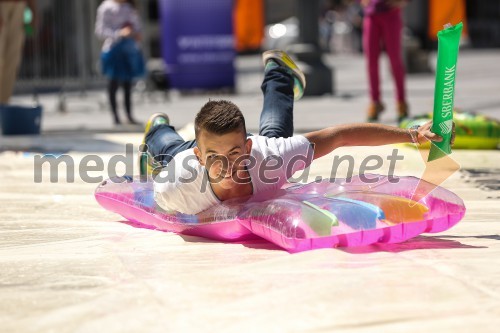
column 237, row 164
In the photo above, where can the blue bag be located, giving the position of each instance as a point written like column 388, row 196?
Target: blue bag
column 123, row 61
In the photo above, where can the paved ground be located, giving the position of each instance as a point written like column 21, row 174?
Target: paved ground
column 69, row 266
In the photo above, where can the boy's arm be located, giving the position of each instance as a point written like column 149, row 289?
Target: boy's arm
column 328, row 139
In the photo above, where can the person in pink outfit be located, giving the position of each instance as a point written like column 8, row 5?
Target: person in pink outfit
column 382, row 29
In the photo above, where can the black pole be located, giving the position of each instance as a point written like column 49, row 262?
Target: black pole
column 319, row 77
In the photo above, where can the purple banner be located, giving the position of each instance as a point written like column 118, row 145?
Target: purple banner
column 198, row 43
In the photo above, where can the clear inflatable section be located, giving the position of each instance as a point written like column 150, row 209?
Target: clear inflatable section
column 138, row 192
column 340, row 212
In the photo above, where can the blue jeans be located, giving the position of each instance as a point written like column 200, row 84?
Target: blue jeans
column 276, row 119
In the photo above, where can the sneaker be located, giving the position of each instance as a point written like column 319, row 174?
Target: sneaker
column 147, row 163
column 374, row 110
column 284, row 59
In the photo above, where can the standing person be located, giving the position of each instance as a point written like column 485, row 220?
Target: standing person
column 118, row 24
column 382, row 25
column 12, row 41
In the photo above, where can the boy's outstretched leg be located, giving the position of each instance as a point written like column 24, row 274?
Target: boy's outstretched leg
column 283, row 82
column 283, row 59
column 160, row 144
column 146, row 159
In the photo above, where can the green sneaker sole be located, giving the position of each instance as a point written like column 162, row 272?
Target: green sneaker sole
column 282, row 58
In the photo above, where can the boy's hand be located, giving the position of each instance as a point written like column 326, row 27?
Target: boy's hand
column 425, row 134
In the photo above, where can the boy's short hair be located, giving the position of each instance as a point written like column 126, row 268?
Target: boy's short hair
column 219, row 117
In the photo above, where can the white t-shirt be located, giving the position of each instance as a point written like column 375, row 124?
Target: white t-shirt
column 183, row 185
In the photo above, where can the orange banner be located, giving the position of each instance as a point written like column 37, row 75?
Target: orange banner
column 248, row 24
column 446, row 11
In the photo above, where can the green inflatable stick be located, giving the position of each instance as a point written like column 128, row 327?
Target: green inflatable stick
column 444, row 91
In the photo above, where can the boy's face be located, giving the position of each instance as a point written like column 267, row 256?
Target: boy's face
column 223, row 156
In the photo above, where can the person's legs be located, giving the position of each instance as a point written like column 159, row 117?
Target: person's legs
column 127, row 89
column 371, row 47
column 392, row 27
column 3, row 49
column 163, row 143
column 11, row 46
column 112, row 89
column 276, row 119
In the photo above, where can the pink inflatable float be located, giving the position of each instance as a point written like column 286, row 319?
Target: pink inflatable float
column 345, row 212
